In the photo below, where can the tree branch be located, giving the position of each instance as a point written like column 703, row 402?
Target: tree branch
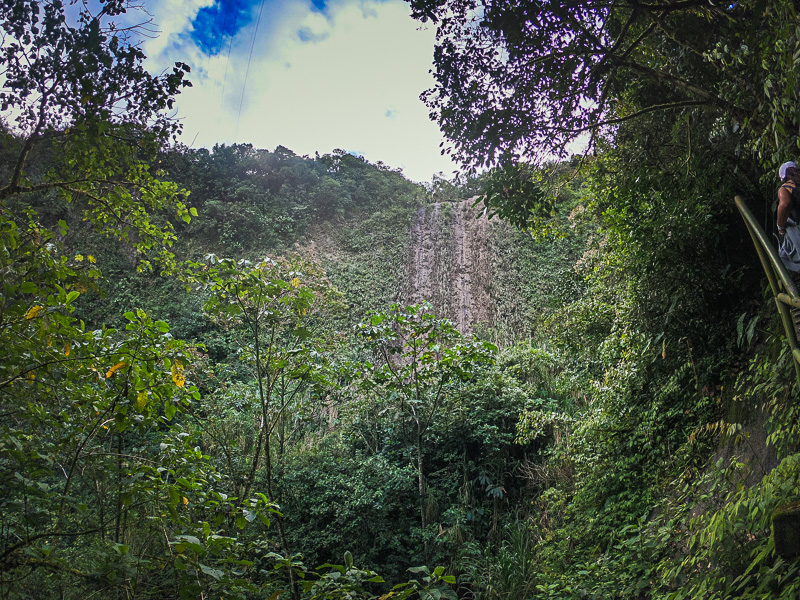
column 634, row 115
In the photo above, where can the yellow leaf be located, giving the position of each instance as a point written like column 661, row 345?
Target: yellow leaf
column 185, row 500
column 91, row 259
column 67, row 349
column 296, row 282
column 31, row 375
column 33, row 311
column 141, row 400
column 79, row 257
column 114, row 369
column 177, row 374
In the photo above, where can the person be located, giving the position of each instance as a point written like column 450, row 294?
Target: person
column 788, row 196
column 789, row 214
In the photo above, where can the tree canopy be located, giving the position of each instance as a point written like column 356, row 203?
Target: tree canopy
column 521, row 78
column 86, row 116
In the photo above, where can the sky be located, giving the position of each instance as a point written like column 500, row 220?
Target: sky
column 310, row 75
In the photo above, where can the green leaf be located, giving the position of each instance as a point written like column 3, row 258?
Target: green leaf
column 215, row 573
column 120, row 549
column 169, row 410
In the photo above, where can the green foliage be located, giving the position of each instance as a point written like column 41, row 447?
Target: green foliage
column 254, row 200
column 61, row 74
column 433, row 585
column 644, row 352
column 89, row 117
column 367, row 260
column 99, row 475
column 335, row 497
column 422, row 360
column 736, row 539
column 508, row 571
column 514, row 193
column 528, row 80
column 584, row 463
column 342, row 581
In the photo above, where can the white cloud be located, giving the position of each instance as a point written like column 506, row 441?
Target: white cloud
column 172, row 19
column 349, row 78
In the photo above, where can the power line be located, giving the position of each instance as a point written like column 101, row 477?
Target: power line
column 227, row 59
column 247, row 70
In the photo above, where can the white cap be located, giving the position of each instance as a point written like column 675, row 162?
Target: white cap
column 785, row 167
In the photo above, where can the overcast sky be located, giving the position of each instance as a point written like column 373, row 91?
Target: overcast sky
column 311, row 75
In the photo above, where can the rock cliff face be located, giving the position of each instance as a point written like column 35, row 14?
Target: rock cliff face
column 482, row 275
column 449, row 264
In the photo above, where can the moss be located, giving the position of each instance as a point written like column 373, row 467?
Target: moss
column 786, row 530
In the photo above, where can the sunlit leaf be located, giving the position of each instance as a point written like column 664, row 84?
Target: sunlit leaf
column 177, row 374
column 141, row 400
column 114, row 369
column 33, row 311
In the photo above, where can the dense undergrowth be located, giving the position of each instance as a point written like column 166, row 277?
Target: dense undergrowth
column 583, row 461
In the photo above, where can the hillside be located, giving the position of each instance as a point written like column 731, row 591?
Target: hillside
column 513, row 464
column 381, row 240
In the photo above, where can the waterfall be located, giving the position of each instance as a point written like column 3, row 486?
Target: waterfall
column 449, row 264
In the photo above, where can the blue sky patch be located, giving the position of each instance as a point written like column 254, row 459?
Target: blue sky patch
column 319, row 5
column 307, row 36
column 216, row 24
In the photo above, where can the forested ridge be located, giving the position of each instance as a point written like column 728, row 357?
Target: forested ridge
column 244, row 373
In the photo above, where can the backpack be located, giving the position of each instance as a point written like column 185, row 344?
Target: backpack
column 789, row 247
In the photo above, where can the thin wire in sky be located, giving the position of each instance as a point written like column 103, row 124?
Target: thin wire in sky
column 228, row 58
column 213, row 31
column 247, row 70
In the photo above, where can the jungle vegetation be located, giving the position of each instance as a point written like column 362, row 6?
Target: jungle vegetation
column 198, row 402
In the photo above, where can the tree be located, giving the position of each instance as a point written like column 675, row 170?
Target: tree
column 521, row 79
column 420, row 359
column 87, row 116
column 269, row 308
column 101, row 484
